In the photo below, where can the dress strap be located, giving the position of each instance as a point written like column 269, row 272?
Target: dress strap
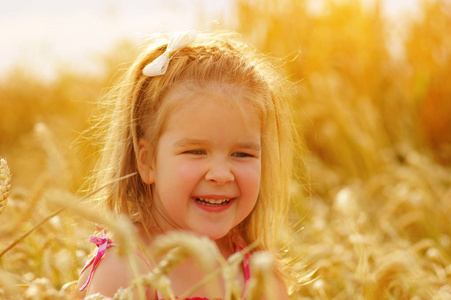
column 102, row 243
column 240, row 245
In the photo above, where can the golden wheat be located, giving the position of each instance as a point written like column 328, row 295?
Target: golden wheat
column 5, row 183
column 376, row 224
column 262, row 285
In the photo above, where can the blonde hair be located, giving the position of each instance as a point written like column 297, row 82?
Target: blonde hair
column 138, row 104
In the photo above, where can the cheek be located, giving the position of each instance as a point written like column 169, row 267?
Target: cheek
column 180, row 177
column 188, row 170
column 249, row 182
column 250, row 178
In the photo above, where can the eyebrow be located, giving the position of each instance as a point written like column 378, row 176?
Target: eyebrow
column 190, row 142
column 250, row 145
column 200, row 142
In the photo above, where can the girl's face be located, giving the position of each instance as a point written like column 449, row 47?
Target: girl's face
column 206, row 173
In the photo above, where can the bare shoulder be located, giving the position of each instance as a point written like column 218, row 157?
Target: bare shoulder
column 113, row 272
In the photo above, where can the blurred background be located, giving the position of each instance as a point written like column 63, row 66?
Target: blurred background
column 372, row 102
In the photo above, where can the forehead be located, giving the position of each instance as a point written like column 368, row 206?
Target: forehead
column 198, row 107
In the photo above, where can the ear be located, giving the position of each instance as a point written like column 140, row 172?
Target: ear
column 145, row 163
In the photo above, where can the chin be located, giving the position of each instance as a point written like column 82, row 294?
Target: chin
column 214, row 236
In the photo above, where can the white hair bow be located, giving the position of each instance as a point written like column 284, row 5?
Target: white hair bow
column 177, row 42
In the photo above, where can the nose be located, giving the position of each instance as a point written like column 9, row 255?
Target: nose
column 220, row 173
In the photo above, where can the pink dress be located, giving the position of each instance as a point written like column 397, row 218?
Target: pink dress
column 103, row 243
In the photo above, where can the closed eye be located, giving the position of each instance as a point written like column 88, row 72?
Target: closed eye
column 242, row 154
column 195, row 152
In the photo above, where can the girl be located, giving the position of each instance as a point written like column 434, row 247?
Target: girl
column 204, row 122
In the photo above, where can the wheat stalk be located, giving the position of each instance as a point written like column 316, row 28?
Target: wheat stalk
column 18, row 240
column 228, row 271
column 56, row 162
column 178, row 245
column 158, row 277
column 202, row 249
column 41, row 288
column 263, row 281
column 5, row 183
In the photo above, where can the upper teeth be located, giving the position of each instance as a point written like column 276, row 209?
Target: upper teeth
column 213, row 201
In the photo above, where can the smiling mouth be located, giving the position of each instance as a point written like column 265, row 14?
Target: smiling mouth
column 212, row 202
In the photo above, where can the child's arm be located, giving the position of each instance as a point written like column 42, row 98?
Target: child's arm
column 112, row 273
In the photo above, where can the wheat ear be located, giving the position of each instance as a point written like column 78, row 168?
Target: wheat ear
column 5, row 183
column 18, row 240
column 263, row 281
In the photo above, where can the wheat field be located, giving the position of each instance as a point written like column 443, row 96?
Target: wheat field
column 371, row 208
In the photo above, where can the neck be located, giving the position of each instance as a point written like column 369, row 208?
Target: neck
column 225, row 246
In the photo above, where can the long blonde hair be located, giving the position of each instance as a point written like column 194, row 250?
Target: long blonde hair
column 138, row 102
